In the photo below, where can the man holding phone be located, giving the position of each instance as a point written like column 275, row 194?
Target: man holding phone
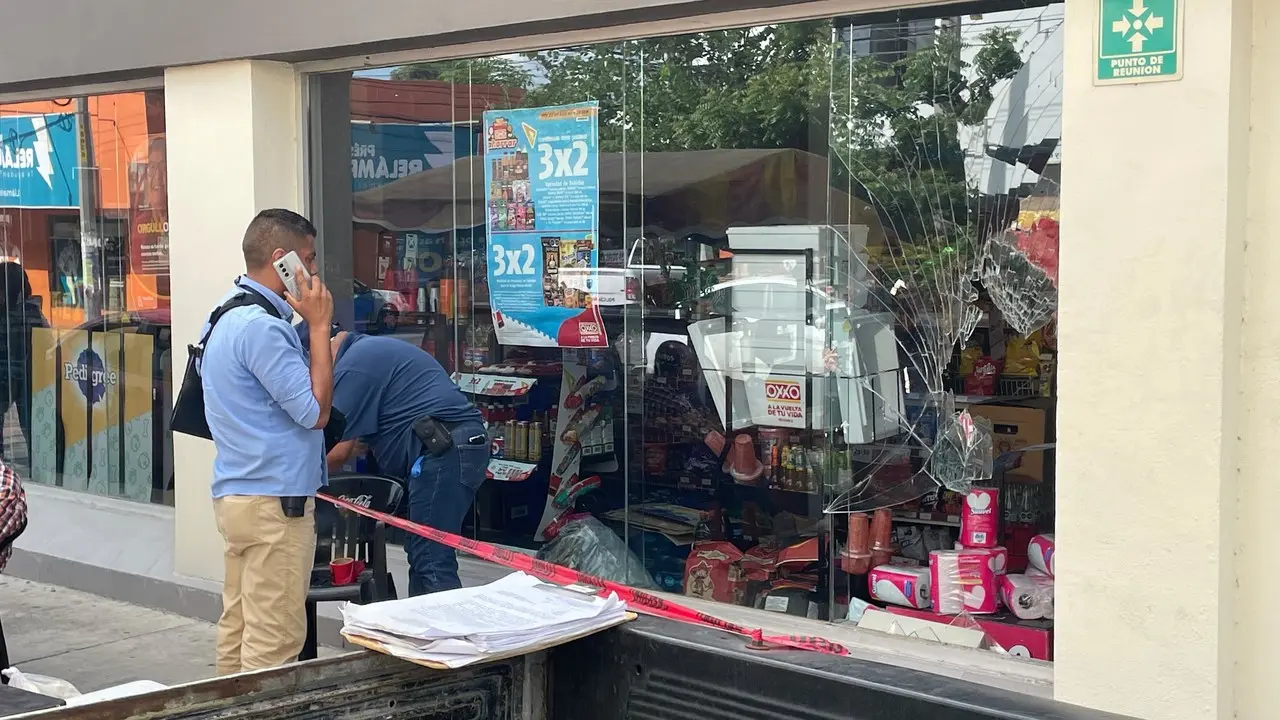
column 420, row 427
column 266, row 403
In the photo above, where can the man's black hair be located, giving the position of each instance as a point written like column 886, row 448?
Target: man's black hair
column 272, row 229
column 17, row 288
column 304, row 333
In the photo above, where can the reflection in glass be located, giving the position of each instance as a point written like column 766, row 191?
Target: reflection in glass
column 86, row 383
column 21, row 316
column 827, row 276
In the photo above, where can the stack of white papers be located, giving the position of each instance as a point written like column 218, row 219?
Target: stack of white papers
column 515, row 614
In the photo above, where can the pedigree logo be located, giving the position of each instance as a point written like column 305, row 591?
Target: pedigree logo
column 786, row 391
column 90, row 375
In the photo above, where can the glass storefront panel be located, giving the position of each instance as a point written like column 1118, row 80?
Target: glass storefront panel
column 85, row 379
column 748, row 312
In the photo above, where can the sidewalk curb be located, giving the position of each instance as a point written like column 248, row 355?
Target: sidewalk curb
column 185, row 600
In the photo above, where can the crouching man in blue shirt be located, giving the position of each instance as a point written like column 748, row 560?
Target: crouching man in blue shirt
column 384, row 387
column 266, row 402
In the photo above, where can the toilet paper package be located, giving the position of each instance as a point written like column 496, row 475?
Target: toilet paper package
column 998, row 557
column 962, row 581
column 1040, row 554
column 979, row 518
column 1028, row 597
column 900, row 585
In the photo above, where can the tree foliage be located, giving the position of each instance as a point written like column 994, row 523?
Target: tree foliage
column 890, row 124
column 745, row 88
column 896, row 129
column 484, row 71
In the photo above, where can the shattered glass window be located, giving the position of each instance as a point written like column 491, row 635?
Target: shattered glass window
column 952, row 144
column 827, row 276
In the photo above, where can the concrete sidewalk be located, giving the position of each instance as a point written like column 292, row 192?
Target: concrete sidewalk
column 94, row 643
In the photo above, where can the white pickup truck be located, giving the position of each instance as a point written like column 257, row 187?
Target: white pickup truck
column 355, row 685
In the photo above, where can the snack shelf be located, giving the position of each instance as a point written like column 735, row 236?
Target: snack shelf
column 927, row 518
column 494, row 385
column 509, row 470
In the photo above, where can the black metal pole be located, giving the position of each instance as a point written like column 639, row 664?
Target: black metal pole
column 90, row 226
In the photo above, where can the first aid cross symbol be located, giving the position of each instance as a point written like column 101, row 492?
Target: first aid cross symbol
column 1137, row 25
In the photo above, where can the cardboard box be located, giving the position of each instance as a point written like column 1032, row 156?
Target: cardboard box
column 923, row 625
column 1022, row 638
column 1014, row 428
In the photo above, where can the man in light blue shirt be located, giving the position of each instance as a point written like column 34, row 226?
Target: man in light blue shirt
column 267, row 402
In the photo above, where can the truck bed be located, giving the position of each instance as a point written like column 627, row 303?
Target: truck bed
column 354, row 686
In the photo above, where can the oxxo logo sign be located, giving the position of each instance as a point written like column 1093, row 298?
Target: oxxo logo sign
column 782, row 391
column 90, row 375
column 784, row 401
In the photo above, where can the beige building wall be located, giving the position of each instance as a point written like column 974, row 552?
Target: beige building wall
column 1169, row 384
column 235, row 147
column 1257, row 695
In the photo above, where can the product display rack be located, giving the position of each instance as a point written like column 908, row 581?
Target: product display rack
column 664, row 488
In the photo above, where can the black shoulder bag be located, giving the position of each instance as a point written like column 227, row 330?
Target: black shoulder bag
column 188, row 408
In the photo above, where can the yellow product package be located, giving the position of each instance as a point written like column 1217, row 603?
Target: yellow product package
column 1022, row 355
column 969, row 358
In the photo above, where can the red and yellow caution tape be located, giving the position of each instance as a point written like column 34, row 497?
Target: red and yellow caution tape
column 636, row 600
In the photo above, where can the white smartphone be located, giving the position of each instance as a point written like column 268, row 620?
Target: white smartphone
column 292, row 272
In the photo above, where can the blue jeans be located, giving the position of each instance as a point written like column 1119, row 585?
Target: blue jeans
column 441, row 490
column 15, row 389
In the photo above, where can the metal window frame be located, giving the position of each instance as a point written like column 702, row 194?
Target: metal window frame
column 117, row 87
column 89, row 90
column 781, row 13
column 861, row 11
column 844, row 11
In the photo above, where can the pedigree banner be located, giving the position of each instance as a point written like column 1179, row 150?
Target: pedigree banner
column 92, row 412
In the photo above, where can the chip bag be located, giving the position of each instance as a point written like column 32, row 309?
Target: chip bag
column 983, row 379
column 969, row 358
column 1022, row 355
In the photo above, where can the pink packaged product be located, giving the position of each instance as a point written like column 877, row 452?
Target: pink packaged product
column 980, row 518
column 1040, row 554
column 999, row 557
column 1028, row 597
column 900, row 585
column 962, row 581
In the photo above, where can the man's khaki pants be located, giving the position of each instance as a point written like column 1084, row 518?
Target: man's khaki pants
column 268, row 569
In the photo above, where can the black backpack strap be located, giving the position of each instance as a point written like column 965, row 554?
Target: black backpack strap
column 247, row 297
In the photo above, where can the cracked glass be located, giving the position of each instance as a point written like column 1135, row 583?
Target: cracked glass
column 826, row 272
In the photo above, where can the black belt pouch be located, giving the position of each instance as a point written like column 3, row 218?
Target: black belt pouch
column 434, row 436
